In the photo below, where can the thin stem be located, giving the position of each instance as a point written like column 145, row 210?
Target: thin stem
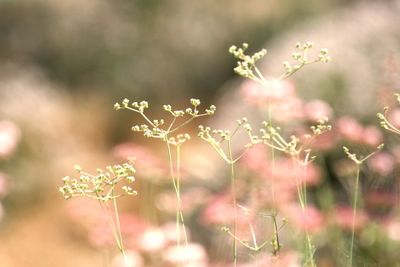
column 187, row 122
column 350, row 264
column 179, row 215
column 178, row 176
column 233, row 192
column 276, row 246
column 118, row 223
column 273, row 163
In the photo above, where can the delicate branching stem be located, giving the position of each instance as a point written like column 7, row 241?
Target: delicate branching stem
column 118, row 225
column 176, row 184
column 353, row 224
column 233, row 193
column 358, row 160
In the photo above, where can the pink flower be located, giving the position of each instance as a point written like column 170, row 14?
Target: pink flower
column 317, row 109
column 276, row 91
column 9, row 137
column 324, row 141
column 372, row 136
column 219, row 210
column 190, row 199
column 288, row 110
column 343, row 217
column 256, row 159
column 382, row 163
column 149, row 165
column 350, row 129
column 292, row 172
column 310, row 219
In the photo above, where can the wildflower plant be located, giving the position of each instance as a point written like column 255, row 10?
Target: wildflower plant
column 105, row 186
column 247, row 68
column 168, row 132
column 217, row 138
column 358, row 160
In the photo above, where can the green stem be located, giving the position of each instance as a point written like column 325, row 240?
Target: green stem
column 355, row 198
column 175, row 183
column 233, row 192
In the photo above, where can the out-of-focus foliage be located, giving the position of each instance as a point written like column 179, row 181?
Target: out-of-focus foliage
column 142, row 48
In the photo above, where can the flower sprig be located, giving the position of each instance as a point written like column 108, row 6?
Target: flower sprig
column 359, row 159
column 158, row 128
column 384, row 121
column 217, row 137
column 102, row 185
column 256, row 247
column 246, row 66
column 272, row 137
column 301, row 58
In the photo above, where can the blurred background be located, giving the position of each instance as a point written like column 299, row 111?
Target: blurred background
column 63, row 65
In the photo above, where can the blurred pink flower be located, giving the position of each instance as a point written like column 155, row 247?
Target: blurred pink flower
column 285, row 169
column 317, row 109
column 310, row 219
column 257, row 94
column 256, row 159
column 149, row 165
column 192, row 255
column 100, row 234
column 324, row 141
column 190, row 199
column 350, row 129
column 276, row 194
column 9, row 137
column 343, row 217
column 372, row 136
column 131, row 259
column 289, row 110
column 95, row 222
column 382, row 163
column 219, row 210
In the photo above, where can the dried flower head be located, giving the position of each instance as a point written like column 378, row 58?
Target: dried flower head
column 158, row 128
column 102, row 185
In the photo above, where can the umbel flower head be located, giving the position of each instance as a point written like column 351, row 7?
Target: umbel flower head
column 105, row 185
column 164, row 128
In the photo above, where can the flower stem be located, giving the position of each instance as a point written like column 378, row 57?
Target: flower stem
column 233, row 192
column 355, row 198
